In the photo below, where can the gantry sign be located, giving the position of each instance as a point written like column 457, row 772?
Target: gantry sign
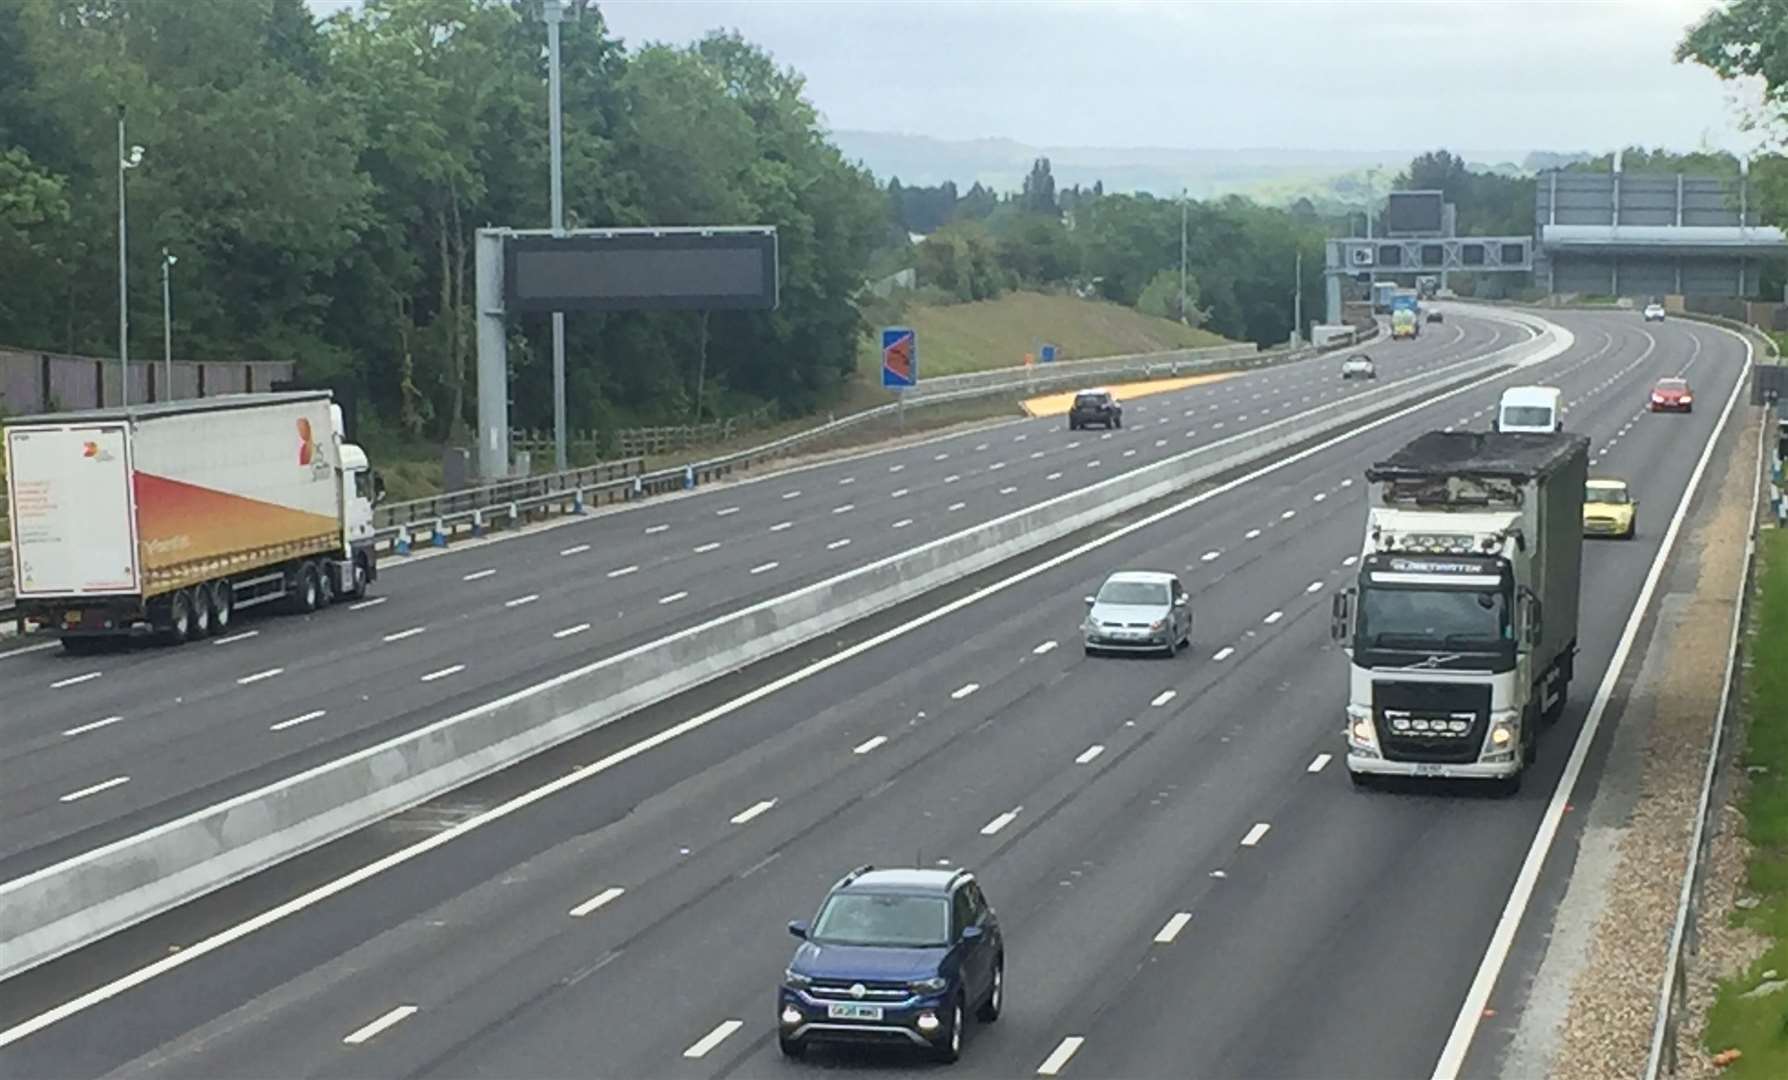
column 526, row 271
column 1418, row 238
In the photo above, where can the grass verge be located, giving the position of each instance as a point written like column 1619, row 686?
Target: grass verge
column 1754, row 1023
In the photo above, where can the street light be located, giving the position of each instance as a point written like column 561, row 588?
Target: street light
column 167, row 326
column 1182, row 256
column 125, row 162
column 553, row 12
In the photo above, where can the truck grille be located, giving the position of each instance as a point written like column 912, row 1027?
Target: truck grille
column 1437, row 722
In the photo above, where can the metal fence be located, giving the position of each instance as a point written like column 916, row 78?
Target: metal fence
column 645, row 441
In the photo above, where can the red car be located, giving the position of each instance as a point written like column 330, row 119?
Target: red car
column 1672, row 395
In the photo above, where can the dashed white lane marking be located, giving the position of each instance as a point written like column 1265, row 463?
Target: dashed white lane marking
column 1053, row 476
column 259, row 675
column 1047, row 646
column 903, row 523
column 315, row 714
column 791, row 494
column 836, row 544
column 1020, row 438
column 847, row 480
column 703, row 549
column 444, row 673
column 764, row 568
column 672, row 598
column 1255, row 834
column 1093, row 464
column 1086, row 756
column 74, row 680
column 374, row 602
column 869, row 744
column 1288, row 515
column 623, row 571
column 725, row 511
column 1105, row 436
column 401, row 634
column 752, row 811
column 1223, row 654
column 1035, row 454
column 952, row 478
column 521, row 601
column 1314, row 586
column 1273, row 617
column 1075, row 445
column 479, row 575
column 95, row 726
column 1350, row 560
column 575, row 549
column 1251, row 534
column 1347, row 482
column 233, row 638
column 1319, row 496
column 895, row 468
column 650, row 529
column 571, row 631
column 713, row 1038
column 1167, row 933
column 996, row 466
column 897, row 493
column 953, row 507
column 1000, row 822
column 1210, row 556
column 395, row 1016
column 601, row 899
column 1059, row 1056
column 1164, row 697
column 1007, row 490
column 1129, row 453
column 845, row 509
column 941, row 457
column 1318, row 764
column 1159, row 443
column 781, row 525
column 95, row 789
column 964, row 690
column 1218, row 426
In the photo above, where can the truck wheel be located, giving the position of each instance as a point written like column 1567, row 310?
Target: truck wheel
column 223, row 606
column 359, row 587
column 176, row 623
column 310, row 588
column 201, row 613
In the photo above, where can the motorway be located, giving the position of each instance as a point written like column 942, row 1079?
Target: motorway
column 631, row 922
column 101, row 748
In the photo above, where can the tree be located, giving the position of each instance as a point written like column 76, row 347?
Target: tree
column 1746, row 38
column 1161, row 297
column 1038, row 196
column 963, row 260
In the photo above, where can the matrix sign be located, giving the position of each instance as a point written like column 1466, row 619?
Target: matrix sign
column 641, row 270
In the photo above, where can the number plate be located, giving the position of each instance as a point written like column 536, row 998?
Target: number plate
column 853, row 1011
column 1430, row 770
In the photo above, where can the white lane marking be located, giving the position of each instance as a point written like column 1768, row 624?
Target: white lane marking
column 444, row 672
column 1251, row 534
column 95, row 726
column 1318, row 764
column 964, row 690
column 1075, row 445
column 1047, row 646
column 845, row 509
column 996, row 466
column 952, row 478
column 953, row 507
column 1020, row 438
column 1086, row 756
column 903, row 523
column 1347, row 482
column 869, row 744
column 1053, row 476
column 401, row 634
column 233, row 638
column 1007, row 490
column 259, row 675
column 1218, row 426
column 650, row 529
column 896, row 468
column 575, row 549
column 1093, row 464
column 836, row 544
column 780, row 525
column 29, row 649
column 1319, row 496
column 1210, row 556
column 1255, row 834
column 478, row 575
column 1129, row 453
column 1164, row 697
column 1350, row 560
column 941, row 457
column 571, row 631
column 1288, row 515
column 713, row 1038
column 672, row 598
column 1160, row 443
column 1060, row 1055
column 980, row 447
column 623, row 571
column 601, row 899
column 520, row 600
column 1000, row 822
column 765, row 567
column 791, row 494
column 73, row 680
column 703, row 549
column 897, row 493
column 752, row 811
column 847, row 480
column 1223, row 654
column 1172, row 929
column 395, row 1016
column 1314, row 586
column 1105, row 436
column 1273, row 617
column 1035, row 454
column 315, row 714
column 1477, row 997
column 725, row 511
column 95, row 789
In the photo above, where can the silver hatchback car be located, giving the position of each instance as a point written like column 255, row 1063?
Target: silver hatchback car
column 1138, row 611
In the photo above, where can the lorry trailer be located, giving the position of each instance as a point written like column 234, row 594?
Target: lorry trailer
column 1461, row 628
column 167, row 519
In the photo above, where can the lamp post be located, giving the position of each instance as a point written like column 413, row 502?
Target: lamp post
column 554, row 13
column 167, row 325
column 1182, row 256
column 125, row 162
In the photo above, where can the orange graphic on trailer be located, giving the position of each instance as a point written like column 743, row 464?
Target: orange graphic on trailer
column 90, row 449
column 305, row 444
column 180, row 523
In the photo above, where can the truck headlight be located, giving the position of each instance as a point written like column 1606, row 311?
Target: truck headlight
column 1360, row 733
column 1502, row 734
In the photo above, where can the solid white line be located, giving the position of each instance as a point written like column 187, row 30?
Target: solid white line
column 29, row 649
column 1223, row 653
column 1059, row 1056
column 571, row 630
column 95, row 726
column 1255, row 834
column 836, row 544
column 672, row 598
column 1043, row 648
column 477, row 575
column 765, row 567
column 1089, row 754
column 750, row 812
column 259, row 675
column 780, row 525
column 296, row 720
column 1163, row 698
column 965, row 691
column 233, row 638
column 520, row 600
column 867, row 745
column 903, row 523
column 1273, row 617
column 725, row 510
column 703, row 549
column 60, row 683
column 86, row 791
column 594, row 902
column 650, row 529
column 364, row 604
column 401, row 634
column 713, row 1038
column 444, row 672
column 575, row 549
column 1465, row 1025
column 1172, row 929
column 623, row 571
column 1317, row 765
column 1000, row 822
column 397, row 1015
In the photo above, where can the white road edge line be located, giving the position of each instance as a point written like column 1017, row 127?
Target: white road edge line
column 29, row 649
column 1471, row 1013
column 1172, row 929
column 1060, row 1055
column 604, row 897
column 713, row 1038
column 395, row 1016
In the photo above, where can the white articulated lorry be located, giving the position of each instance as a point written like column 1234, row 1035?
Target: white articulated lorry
column 169, row 518
column 1461, row 630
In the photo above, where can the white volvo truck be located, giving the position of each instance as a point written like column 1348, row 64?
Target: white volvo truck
column 1461, row 630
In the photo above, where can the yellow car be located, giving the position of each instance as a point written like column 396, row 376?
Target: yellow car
column 1609, row 509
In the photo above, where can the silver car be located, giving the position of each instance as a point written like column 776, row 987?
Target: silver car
column 1358, row 367
column 1138, row 611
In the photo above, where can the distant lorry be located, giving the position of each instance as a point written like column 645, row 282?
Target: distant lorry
column 1406, row 315
column 1382, row 292
column 1461, row 629
column 168, row 519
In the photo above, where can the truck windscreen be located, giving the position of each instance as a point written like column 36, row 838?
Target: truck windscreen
column 1433, row 618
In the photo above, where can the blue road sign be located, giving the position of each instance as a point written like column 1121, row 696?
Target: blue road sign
column 900, row 357
column 1047, row 354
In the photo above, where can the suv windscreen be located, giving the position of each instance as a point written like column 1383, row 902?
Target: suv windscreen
column 894, row 921
column 1133, row 592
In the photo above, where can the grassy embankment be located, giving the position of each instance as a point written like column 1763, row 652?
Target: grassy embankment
column 1757, row 1026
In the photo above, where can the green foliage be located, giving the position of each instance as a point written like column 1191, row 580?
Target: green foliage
column 1488, row 204
column 1745, row 38
column 963, row 260
column 1038, row 196
column 1163, row 299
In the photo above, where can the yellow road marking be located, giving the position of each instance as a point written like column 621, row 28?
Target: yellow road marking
column 1057, row 404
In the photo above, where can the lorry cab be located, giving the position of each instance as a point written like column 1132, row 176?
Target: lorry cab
column 1537, row 409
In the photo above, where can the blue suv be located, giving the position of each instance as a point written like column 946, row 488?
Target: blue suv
column 894, row 956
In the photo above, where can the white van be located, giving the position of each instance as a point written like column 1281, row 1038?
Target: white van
column 1530, row 408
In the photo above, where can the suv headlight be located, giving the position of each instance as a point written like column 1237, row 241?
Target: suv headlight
column 796, row 979
column 933, row 985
